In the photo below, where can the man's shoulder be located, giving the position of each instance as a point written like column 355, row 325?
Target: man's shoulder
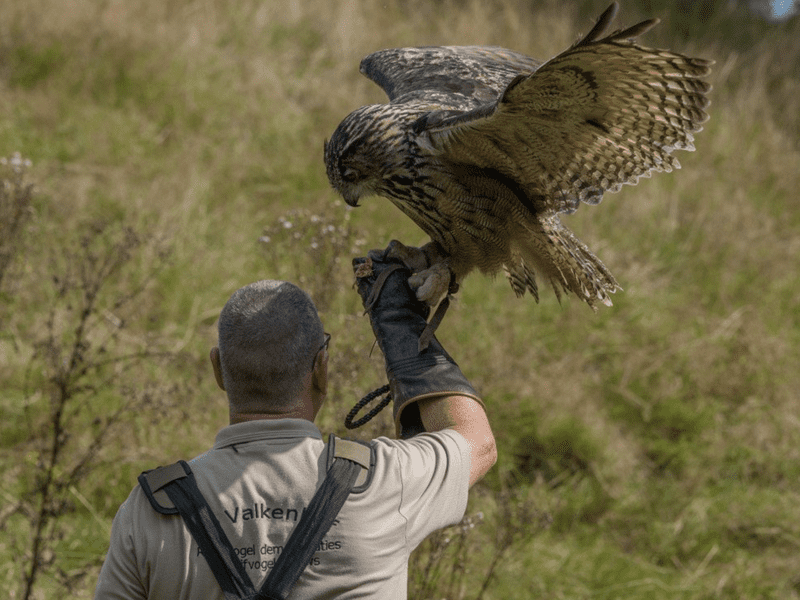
column 448, row 439
column 425, row 479
column 443, row 454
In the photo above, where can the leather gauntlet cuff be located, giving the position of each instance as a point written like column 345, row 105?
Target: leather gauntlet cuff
column 428, row 375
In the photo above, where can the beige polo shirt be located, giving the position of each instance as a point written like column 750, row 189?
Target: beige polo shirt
column 258, row 478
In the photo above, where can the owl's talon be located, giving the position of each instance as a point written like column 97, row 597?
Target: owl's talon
column 414, row 258
column 431, row 284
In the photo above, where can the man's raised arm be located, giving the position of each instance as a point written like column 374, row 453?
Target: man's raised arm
column 429, row 391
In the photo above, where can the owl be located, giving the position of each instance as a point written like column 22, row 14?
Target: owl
column 483, row 148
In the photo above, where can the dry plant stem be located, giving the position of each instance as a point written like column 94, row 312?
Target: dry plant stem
column 15, row 210
column 519, row 521
column 440, row 543
column 458, row 570
column 64, row 385
column 499, row 552
column 77, row 371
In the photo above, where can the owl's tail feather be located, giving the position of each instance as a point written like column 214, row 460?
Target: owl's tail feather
column 554, row 252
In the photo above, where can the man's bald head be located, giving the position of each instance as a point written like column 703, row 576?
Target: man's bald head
column 269, row 334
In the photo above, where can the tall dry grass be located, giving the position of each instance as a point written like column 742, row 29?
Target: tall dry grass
column 650, row 450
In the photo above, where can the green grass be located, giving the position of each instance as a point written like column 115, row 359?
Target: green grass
column 651, row 450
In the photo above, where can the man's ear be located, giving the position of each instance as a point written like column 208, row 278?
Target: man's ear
column 217, row 366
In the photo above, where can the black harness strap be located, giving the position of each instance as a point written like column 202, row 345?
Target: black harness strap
column 207, row 532
column 307, row 535
column 346, row 460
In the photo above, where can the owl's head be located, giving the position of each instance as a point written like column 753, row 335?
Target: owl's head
column 366, row 152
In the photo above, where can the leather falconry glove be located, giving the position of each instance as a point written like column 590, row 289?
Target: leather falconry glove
column 398, row 319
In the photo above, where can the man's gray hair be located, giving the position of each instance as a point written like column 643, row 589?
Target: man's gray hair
column 269, row 334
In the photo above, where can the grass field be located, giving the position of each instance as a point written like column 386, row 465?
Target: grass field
column 651, row 450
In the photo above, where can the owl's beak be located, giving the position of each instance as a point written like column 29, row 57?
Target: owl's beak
column 351, row 197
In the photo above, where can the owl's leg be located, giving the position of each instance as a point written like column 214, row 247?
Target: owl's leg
column 431, row 277
column 435, row 283
column 431, row 284
column 413, row 257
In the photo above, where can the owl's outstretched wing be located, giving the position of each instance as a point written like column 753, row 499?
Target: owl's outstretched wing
column 456, row 77
column 599, row 115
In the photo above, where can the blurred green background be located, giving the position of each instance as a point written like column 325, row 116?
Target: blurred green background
column 651, row 450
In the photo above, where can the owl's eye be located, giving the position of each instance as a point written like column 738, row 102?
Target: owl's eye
column 350, row 175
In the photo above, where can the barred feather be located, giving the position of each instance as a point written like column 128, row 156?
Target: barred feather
column 484, row 147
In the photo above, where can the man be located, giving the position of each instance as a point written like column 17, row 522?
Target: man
column 272, row 361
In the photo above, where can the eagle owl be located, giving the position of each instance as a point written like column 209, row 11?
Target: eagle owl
column 483, row 148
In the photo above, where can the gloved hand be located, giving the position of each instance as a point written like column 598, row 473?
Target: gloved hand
column 398, row 319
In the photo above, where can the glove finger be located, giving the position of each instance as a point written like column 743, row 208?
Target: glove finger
column 377, row 254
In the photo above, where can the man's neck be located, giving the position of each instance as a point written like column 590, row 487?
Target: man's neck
column 296, row 413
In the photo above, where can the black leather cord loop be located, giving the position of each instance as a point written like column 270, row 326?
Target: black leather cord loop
column 348, row 420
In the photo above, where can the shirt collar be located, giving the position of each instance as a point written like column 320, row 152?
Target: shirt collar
column 265, row 429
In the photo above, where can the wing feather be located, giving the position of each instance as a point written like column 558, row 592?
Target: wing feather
column 601, row 114
column 459, row 77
